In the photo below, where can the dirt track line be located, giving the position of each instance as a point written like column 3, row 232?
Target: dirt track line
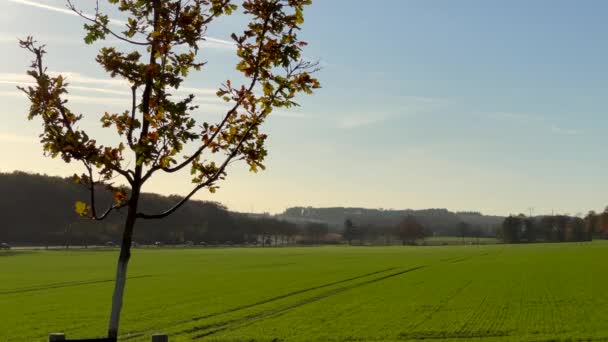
column 441, row 305
column 253, row 318
column 290, row 294
column 135, row 334
column 65, row 284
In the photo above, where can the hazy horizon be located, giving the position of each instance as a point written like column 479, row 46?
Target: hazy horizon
column 481, row 106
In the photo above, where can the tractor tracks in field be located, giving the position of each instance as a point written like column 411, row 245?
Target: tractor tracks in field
column 456, row 260
column 53, row 286
column 136, row 334
column 291, row 294
column 331, row 289
column 213, row 328
column 445, row 301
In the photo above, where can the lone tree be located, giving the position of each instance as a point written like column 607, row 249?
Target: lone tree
column 409, row 230
column 350, row 232
column 158, row 126
column 464, row 229
column 511, row 228
column 591, row 222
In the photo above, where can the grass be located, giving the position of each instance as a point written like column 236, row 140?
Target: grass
column 454, row 240
column 552, row 292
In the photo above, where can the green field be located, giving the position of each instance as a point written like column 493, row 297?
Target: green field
column 453, row 240
column 554, row 292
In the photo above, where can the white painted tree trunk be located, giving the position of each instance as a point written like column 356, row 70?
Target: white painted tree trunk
column 121, row 271
column 117, row 297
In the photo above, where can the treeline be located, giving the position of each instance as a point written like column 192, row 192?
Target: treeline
column 408, row 231
column 438, row 221
column 554, row 228
column 38, row 210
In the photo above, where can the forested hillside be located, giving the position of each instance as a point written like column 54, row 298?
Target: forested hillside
column 439, row 221
column 37, row 209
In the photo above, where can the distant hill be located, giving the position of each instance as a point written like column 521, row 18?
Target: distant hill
column 38, row 209
column 479, row 220
column 440, row 221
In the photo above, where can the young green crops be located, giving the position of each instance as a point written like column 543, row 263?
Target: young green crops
column 543, row 292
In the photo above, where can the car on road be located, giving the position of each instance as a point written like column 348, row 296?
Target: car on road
column 5, row 246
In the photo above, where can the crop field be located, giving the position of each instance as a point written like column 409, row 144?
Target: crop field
column 453, row 240
column 551, row 292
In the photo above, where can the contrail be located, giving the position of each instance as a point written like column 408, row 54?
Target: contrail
column 47, row 7
column 221, row 41
column 112, row 21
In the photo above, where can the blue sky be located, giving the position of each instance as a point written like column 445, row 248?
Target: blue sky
column 468, row 105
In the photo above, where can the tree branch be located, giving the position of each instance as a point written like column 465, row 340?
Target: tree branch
column 231, row 112
column 67, row 121
column 71, row 6
column 93, row 197
column 214, row 15
column 132, row 122
column 209, row 181
column 107, row 212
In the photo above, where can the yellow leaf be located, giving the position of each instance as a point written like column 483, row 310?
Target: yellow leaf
column 120, row 196
column 81, row 208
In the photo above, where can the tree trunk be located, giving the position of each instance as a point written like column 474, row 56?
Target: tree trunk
column 121, row 271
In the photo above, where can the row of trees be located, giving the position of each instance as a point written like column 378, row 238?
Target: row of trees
column 407, row 231
column 237, row 229
column 37, row 213
column 554, row 228
column 439, row 221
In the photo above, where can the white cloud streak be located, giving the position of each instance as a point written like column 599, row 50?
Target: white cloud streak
column 12, row 38
column 43, row 6
column 72, row 87
column 408, row 105
column 85, row 83
column 225, row 43
column 211, row 42
column 564, row 131
column 356, row 121
column 14, row 138
column 8, row 38
column 517, row 117
column 205, row 106
column 533, row 119
column 292, row 114
column 87, row 86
